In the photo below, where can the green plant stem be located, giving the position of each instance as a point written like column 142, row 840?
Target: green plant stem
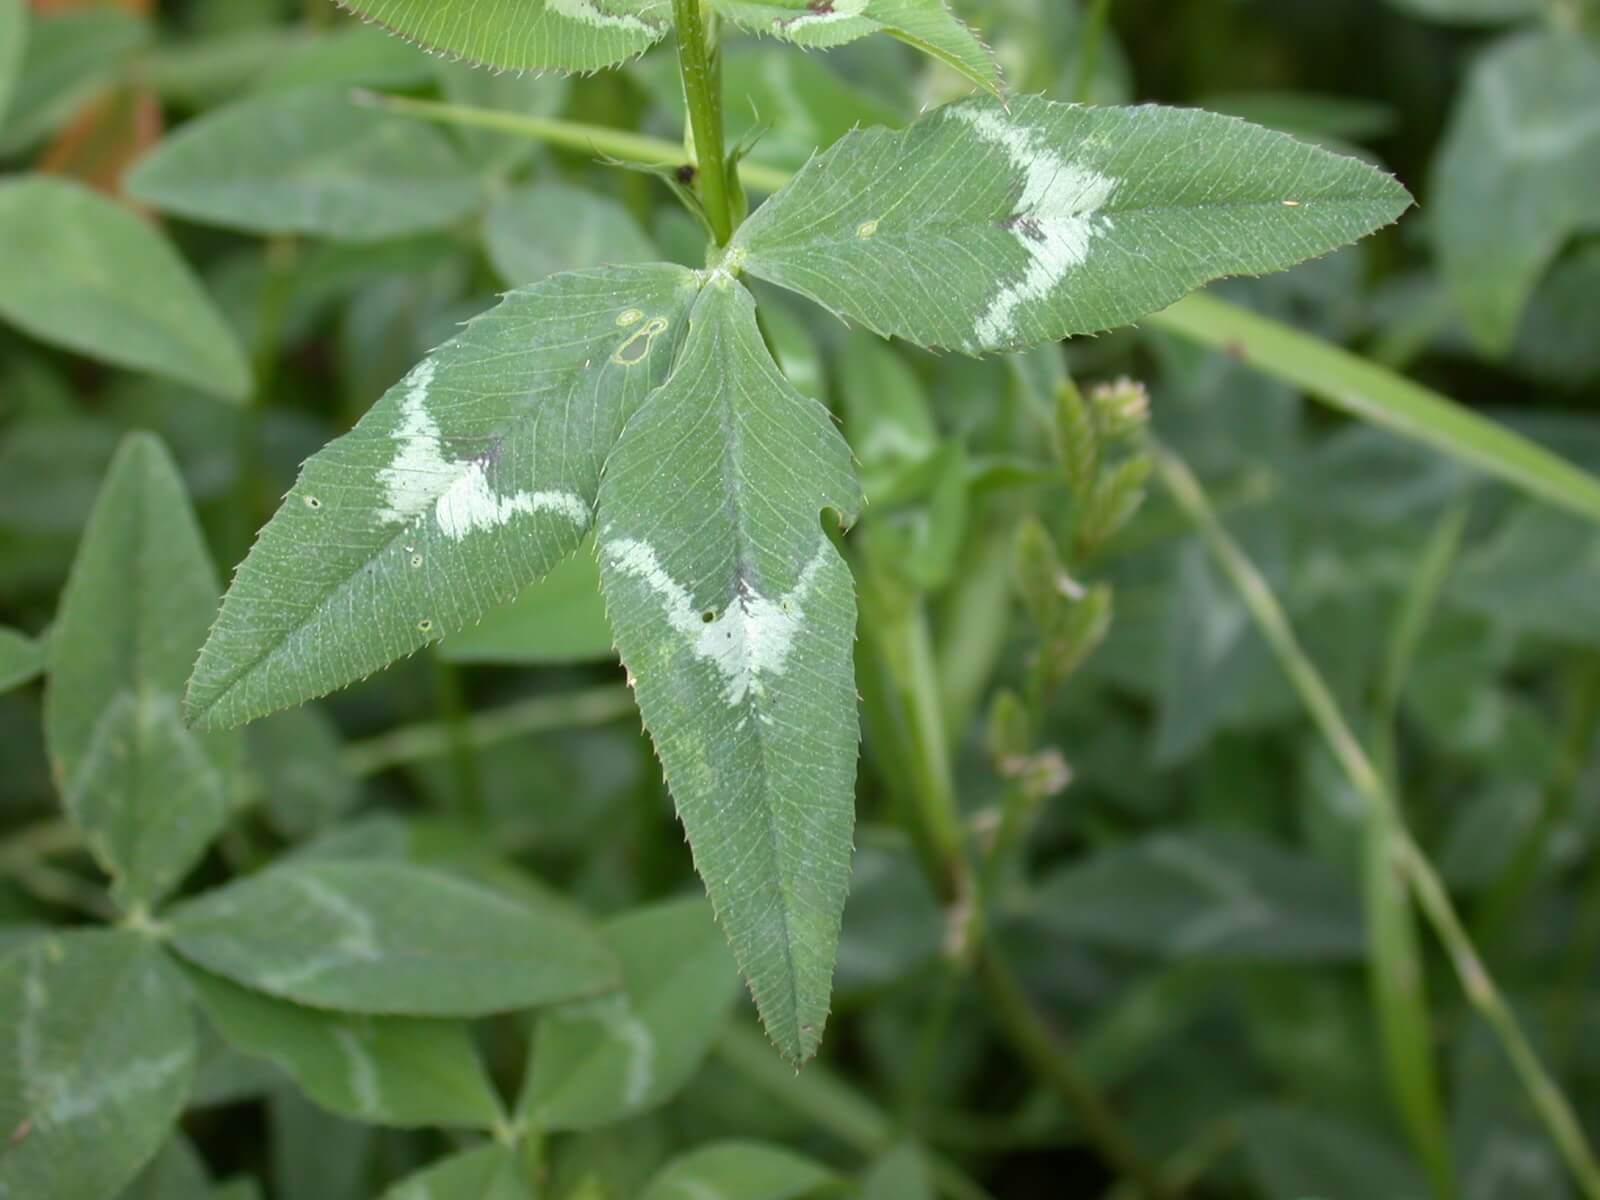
column 900, row 687
column 599, row 140
column 55, row 886
column 454, row 712
column 1397, row 975
column 701, row 67
column 1552, row 1106
column 540, row 714
column 1365, row 390
column 1036, row 1044
column 1094, row 30
column 831, row 1105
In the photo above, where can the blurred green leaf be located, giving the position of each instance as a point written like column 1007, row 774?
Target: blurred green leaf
column 486, row 1173
column 561, row 618
column 738, row 1171
column 1536, row 572
column 542, row 228
column 1372, row 393
column 21, row 658
column 308, row 161
column 300, row 758
column 386, row 1070
column 382, row 937
column 177, row 1173
column 613, row 1057
column 66, row 58
column 735, row 614
column 363, row 55
column 148, row 793
column 13, row 38
column 96, row 1052
column 1211, row 894
column 1301, row 1153
column 1470, row 12
column 470, row 479
column 568, row 35
column 1517, row 174
column 901, row 1174
column 80, row 271
column 1030, row 222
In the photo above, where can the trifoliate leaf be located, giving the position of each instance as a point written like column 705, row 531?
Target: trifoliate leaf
column 982, row 227
column 148, row 793
column 468, row 480
column 736, row 616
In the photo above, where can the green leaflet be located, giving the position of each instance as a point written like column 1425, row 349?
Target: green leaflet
column 569, row 35
column 308, row 161
column 618, row 1055
column 747, row 1170
column 96, row 1052
column 388, row 1070
column 1517, row 175
column 381, row 937
column 21, row 658
column 928, row 25
column 487, row 1173
column 982, row 227
column 468, row 480
column 81, row 271
column 13, row 37
column 148, row 793
column 736, row 616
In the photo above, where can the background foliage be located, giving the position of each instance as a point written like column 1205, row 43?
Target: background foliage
column 439, row 935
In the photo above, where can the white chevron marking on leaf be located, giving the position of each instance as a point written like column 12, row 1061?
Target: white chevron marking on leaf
column 1054, row 221
column 413, row 479
column 749, row 638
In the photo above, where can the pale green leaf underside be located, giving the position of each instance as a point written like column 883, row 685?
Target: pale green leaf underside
column 406, row 1071
column 96, row 1054
column 618, row 1055
column 567, row 35
column 984, row 228
column 148, row 793
column 468, row 480
column 736, row 616
column 487, row 1173
column 929, row 25
column 748, row 1170
column 81, row 271
column 308, row 161
column 379, row 937
column 1518, row 173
